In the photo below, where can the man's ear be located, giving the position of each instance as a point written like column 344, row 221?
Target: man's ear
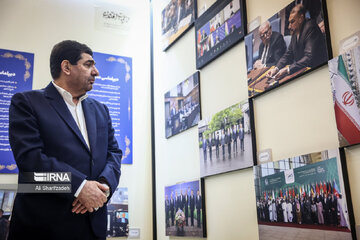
column 303, row 17
column 65, row 67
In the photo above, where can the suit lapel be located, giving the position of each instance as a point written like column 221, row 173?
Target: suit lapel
column 90, row 120
column 57, row 102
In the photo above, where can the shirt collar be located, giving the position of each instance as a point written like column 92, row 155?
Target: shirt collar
column 67, row 96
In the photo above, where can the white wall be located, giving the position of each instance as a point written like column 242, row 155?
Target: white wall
column 36, row 26
column 294, row 119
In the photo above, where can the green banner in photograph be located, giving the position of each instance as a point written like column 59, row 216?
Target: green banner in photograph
column 316, row 173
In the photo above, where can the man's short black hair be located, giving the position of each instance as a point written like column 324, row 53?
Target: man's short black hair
column 299, row 9
column 66, row 50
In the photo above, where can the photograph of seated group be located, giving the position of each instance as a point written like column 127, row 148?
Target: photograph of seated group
column 176, row 18
column 182, row 106
column 225, row 140
column 345, row 80
column 218, row 29
column 184, row 211
column 304, row 196
column 290, row 43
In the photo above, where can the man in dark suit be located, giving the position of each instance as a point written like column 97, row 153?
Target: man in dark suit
column 271, row 48
column 167, row 211
column 172, row 208
column 327, row 206
column 204, row 146
column 228, row 141
column 59, row 129
column 178, row 201
column 241, row 137
column 124, row 225
column 186, row 205
column 198, row 208
column 189, row 7
column 217, row 145
column 192, row 207
column 333, row 210
column 180, row 11
column 234, row 136
column 307, row 47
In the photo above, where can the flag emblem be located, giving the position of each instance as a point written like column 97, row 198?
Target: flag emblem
column 348, row 98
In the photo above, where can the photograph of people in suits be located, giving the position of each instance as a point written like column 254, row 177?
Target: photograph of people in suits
column 183, row 210
column 302, row 194
column 118, row 225
column 271, row 48
column 182, row 106
column 228, row 134
column 307, row 47
column 288, row 44
column 176, row 18
column 225, row 22
column 56, row 129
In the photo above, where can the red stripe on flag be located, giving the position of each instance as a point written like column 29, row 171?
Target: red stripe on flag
column 345, row 126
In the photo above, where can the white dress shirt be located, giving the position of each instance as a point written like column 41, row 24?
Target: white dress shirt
column 78, row 115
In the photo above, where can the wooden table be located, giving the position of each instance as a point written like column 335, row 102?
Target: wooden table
column 258, row 82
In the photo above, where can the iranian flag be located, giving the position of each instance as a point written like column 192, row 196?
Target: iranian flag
column 347, row 112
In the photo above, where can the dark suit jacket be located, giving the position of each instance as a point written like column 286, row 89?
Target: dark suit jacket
column 241, row 133
column 167, row 206
column 308, row 51
column 45, row 138
column 179, row 17
column 185, row 202
column 277, row 48
column 192, row 203
column 172, row 206
column 198, row 202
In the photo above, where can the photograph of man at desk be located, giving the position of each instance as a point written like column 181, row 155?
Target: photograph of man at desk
column 288, row 44
column 182, row 106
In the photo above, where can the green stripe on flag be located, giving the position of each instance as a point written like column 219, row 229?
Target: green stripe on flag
column 342, row 70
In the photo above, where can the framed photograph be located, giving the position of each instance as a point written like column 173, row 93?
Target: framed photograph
column 306, row 196
column 7, row 198
column 291, row 43
column 226, row 140
column 218, row 29
column 185, row 209
column 118, row 215
column 182, row 106
column 176, row 18
column 345, row 81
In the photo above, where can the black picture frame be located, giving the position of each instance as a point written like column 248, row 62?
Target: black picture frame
column 179, row 201
column 303, row 193
column 218, row 29
column 282, row 46
column 183, row 106
column 229, row 137
column 175, row 23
